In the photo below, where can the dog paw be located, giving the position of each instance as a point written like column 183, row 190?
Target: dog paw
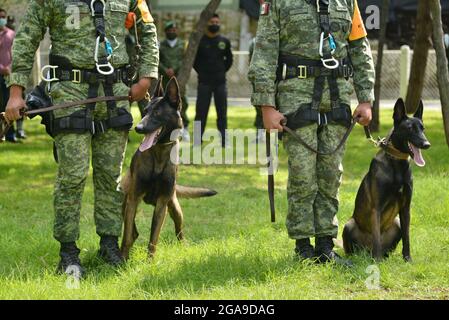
column 407, row 258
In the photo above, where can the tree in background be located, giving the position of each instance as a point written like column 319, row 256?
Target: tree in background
column 374, row 126
column 420, row 55
column 442, row 63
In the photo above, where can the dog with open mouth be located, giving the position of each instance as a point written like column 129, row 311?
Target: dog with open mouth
column 387, row 189
column 153, row 171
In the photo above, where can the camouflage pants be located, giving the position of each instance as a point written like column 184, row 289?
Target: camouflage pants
column 74, row 152
column 313, row 182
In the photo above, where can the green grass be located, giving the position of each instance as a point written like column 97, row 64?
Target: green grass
column 232, row 250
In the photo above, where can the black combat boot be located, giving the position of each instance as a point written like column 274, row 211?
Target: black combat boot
column 323, row 250
column 70, row 263
column 110, row 251
column 304, row 249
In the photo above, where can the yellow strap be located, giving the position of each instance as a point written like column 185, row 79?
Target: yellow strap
column 358, row 30
column 145, row 11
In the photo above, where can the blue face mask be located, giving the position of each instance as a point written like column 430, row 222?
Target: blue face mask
column 3, row 22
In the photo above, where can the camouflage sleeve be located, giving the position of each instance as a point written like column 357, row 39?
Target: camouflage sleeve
column 27, row 40
column 362, row 59
column 262, row 71
column 146, row 29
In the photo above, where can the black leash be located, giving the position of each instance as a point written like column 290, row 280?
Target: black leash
column 339, row 146
column 303, row 143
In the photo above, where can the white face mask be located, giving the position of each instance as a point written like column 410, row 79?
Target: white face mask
column 3, row 22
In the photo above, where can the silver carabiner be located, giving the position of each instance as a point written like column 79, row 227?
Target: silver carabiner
column 101, row 67
column 49, row 68
column 322, row 39
column 331, row 63
column 109, row 68
column 92, row 7
column 284, row 71
column 97, row 45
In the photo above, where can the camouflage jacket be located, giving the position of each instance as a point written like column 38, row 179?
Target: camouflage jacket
column 291, row 27
column 171, row 57
column 73, row 35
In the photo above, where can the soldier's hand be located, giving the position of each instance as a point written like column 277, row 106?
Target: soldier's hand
column 15, row 104
column 139, row 90
column 363, row 114
column 272, row 118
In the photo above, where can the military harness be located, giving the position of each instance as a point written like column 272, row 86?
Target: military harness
column 327, row 68
column 60, row 69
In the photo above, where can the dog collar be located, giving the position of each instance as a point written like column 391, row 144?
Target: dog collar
column 395, row 153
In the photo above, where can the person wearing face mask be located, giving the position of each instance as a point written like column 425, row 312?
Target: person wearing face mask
column 6, row 40
column 213, row 60
column 171, row 55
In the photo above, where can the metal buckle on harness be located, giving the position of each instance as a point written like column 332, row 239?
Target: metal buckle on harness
column 92, row 3
column 348, row 71
column 321, row 117
column 76, row 76
column 284, row 71
column 318, row 9
column 302, row 72
column 52, row 76
column 105, row 68
column 99, row 127
column 330, row 63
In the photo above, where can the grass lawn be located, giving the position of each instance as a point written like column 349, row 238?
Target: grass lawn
column 232, row 250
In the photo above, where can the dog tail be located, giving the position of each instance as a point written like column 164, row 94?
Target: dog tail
column 192, row 192
column 338, row 243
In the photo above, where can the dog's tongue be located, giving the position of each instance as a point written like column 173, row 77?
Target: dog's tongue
column 417, row 156
column 148, row 141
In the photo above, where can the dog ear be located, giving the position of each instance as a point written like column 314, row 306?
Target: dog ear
column 172, row 92
column 419, row 111
column 400, row 112
column 158, row 89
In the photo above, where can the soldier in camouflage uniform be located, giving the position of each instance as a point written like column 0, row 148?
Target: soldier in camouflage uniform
column 171, row 55
column 288, row 73
column 74, row 40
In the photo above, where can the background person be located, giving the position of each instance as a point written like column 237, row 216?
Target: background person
column 6, row 40
column 213, row 60
column 171, row 55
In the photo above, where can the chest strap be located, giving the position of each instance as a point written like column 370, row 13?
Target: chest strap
column 98, row 11
column 327, row 57
column 294, row 67
column 78, row 75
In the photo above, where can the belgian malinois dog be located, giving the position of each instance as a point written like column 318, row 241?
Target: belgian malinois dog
column 386, row 190
column 153, row 170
